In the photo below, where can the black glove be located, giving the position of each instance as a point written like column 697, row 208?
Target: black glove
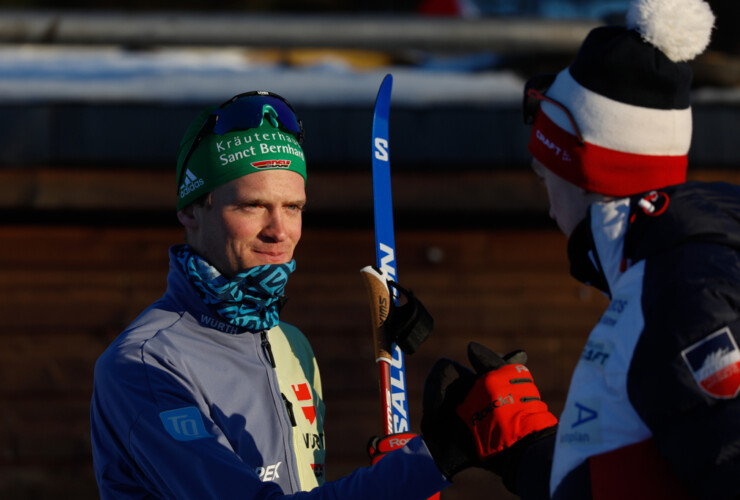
column 409, row 323
column 484, row 419
column 448, row 439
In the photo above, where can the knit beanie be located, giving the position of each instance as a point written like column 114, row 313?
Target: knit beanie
column 219, row 158
column 627, row 94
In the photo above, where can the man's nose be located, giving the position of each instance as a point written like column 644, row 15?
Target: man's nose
column 274, row 226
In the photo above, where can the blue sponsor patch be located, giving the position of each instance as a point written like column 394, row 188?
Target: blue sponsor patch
column 715, row 364
column 184, row 424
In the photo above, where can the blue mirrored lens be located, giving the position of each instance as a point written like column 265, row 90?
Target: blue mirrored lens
column 246, row 112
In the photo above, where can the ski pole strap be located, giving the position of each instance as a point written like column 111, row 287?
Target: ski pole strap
column 409, row 324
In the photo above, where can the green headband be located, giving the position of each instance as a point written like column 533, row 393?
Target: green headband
column 219, row 159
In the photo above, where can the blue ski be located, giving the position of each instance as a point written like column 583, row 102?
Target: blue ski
column 385, row 246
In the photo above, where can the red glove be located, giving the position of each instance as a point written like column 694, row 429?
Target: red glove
column 504, row 405
column 378, row 447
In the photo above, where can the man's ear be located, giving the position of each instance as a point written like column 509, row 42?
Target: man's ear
column 187, row 217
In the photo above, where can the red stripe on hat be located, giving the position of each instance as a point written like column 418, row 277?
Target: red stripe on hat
column 599, row 169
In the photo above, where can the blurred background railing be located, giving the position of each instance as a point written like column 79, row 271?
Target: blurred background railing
column 371, row 31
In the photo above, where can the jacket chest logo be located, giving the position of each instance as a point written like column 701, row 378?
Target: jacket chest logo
column 303, row 395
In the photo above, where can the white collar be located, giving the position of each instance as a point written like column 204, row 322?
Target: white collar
column 609, row 222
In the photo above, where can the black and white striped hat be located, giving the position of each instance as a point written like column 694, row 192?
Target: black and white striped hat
column 618, row 120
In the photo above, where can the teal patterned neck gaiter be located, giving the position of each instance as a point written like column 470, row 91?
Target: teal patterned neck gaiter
column 249, row 300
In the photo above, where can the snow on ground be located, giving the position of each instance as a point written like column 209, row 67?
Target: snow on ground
column 53, row 73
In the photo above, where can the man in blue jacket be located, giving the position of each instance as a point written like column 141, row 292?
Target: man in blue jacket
column 207, row 394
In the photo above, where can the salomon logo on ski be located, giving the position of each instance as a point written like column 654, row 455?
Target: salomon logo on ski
column 381, row 149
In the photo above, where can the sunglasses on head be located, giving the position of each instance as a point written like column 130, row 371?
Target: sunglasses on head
column 534, row 94
column 245, row 111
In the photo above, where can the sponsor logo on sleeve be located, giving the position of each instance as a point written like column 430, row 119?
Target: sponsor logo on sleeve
column 184, row 424
column 715, row 364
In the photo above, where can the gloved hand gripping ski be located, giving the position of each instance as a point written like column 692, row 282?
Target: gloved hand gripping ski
column 407, row 324
column 378, row 447
column 484, row 419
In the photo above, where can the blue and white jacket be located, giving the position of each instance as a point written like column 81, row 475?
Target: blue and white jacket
column 186, row 406
column 653, row 408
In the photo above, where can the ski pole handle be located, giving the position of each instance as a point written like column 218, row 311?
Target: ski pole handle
column 380, row 304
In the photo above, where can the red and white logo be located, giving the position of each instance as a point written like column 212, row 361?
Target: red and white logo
column 303, row 393
column 715, row 364
column 271, row 164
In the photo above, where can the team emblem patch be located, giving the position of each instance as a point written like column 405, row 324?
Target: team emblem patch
column 184, row 424
column 271, row 164
column 715, row 364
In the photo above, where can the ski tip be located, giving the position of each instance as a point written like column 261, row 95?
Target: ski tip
column 384, row 91
column 386, row 84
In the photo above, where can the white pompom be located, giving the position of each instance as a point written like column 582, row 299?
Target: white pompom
column 681, row 29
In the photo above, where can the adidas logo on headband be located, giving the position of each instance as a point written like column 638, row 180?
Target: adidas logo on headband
column 190, row 184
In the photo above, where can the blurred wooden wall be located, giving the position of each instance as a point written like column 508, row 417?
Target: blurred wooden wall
column 70, row 286
column 72, row 278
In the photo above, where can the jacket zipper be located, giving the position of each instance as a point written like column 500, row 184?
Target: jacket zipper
column 289, row 407
column 267, row 348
